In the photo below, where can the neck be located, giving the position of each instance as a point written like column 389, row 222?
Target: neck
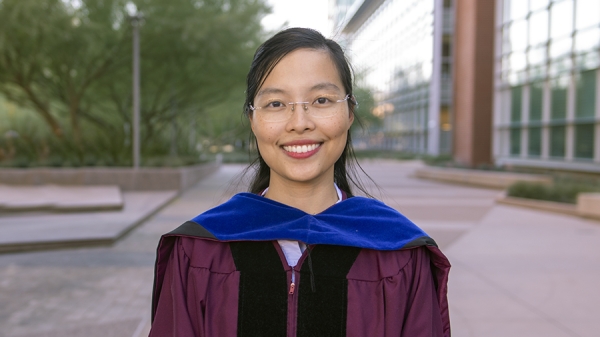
column 312, row 198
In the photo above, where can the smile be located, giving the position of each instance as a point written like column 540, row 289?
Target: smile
column 301, row 148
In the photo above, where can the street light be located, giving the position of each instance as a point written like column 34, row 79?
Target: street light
column 136, row 20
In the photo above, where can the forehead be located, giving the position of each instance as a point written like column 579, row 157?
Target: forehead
column 303, row 70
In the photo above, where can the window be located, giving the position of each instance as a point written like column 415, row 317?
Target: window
column 559, row 99
column 446, row 46
column 561, row 16
column 515, row 105
column 557, row 141
column 588, row 13
column 586, row 94
column 535, row 101
column 584, row 141
column 535, row 142
column 538, row 28
column 515, row 141
column 538, row 4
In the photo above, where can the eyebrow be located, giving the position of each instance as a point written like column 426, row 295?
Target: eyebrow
column 269, row 91
column 325, row 85
column 319, row 86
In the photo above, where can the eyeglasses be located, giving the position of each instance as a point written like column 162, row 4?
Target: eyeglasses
column 323, row 106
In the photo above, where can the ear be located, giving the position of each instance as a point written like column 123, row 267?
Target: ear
column 350, row 118
column 251, row 119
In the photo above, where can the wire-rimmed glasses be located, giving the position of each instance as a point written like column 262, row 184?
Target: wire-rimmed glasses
column 323, row 106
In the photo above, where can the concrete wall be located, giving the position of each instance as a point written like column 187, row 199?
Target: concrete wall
column 128, row 179
column 473, row 81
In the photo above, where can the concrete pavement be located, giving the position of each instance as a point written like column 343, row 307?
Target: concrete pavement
column 516, row 272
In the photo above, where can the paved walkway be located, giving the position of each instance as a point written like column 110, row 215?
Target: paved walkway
column 516, row 272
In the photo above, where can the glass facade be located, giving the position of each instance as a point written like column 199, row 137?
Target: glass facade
column 547, row 111
column 404, row 56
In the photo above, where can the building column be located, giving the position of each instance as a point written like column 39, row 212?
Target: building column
column 473, row 81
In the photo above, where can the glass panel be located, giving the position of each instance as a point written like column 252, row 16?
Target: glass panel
column 537, row 73
column 514, row 9
column 584, row 141
column 560, row 66
column 560, row 47
column 506, row 48
column 587, row 40
column 588, row 61
column 586, row 94
column 559, row 98
column 516, row 103
column 537, row 4
column 557, row 141
column 518, row 35
column 537, row 56
column 588, row 13
column 535, row 142
column 561, row 16
column 538, row 28
column 515, row 141
column 535, row 101
column 518, row 61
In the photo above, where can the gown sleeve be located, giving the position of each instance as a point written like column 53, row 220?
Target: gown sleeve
column 398, row 294
column 172, row 317
column 424, row 315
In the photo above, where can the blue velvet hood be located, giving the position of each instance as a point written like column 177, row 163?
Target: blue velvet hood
column 357, row 222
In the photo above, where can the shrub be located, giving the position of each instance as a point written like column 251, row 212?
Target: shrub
column 560, row 192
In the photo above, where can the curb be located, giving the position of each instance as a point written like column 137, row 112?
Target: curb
column 98, row 241
column 550, row 206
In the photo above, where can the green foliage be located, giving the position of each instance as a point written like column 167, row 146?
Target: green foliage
column 366, row 103
column 561, row 191
column 66, row 66
column 384, row 154
column 440, row 160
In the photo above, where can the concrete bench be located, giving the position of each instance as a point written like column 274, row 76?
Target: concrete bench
column 588, row 205
column 60, row 198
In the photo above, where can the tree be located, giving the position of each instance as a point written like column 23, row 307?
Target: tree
column 70, row 61
column 52, row 52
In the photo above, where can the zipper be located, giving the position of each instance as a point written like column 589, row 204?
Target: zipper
column 293, row 282
column 292, row 303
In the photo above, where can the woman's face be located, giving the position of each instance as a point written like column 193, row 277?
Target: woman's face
column 303, row 145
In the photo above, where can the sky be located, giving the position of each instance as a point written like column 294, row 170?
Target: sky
column 298, row 13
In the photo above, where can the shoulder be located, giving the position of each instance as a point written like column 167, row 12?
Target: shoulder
column 374, row 265
column 197, row 251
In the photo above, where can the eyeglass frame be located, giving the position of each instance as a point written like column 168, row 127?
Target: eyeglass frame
column 293, row 104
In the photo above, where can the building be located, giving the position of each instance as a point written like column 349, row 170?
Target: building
column 402, row 51
column 546, row 84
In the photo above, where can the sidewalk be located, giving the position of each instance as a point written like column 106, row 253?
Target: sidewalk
column 516, row 272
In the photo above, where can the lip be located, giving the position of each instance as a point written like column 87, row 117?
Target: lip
column 303, row 155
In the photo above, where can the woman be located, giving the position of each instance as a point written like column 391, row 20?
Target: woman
column 299, row 255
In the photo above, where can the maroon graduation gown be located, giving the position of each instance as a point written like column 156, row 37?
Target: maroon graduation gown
column 206, row 287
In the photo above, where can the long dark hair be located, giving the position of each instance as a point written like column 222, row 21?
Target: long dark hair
column 265, row 59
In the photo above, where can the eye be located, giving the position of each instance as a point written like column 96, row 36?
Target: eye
column 275, row 105
column 322, row 100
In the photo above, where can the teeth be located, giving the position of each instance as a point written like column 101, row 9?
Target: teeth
column 301, row 148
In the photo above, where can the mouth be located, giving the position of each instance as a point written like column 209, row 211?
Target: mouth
column 301, row 148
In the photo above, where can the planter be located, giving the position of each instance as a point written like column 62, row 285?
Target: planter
column 128, row 179
column 489, row 179
column 588, row 205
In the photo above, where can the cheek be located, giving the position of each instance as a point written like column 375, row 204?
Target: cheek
column 264, row 134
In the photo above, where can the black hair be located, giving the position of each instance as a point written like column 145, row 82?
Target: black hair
column 265, row 59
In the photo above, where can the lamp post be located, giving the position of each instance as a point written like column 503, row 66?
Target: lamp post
column 136, row 20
